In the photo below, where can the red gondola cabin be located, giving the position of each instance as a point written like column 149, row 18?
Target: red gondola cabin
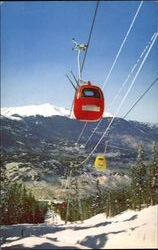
column 89, row 103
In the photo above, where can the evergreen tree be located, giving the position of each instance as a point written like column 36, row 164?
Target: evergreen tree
column 153, row 177
column 116, row 200
column 98, row 198
column 139, row 181
column 17, row 204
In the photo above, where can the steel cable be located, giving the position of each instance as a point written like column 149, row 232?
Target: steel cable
column 124, row 83
column 118, row 53
column 128, row 91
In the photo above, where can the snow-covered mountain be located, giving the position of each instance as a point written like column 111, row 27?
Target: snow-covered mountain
column 45, row 110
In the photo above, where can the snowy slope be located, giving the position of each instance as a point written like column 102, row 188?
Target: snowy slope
column 130, row 229
column 45, row 110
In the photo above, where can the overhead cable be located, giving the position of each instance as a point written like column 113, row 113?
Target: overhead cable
column 138, row 100
column 88, row 42
column 132, row 70
column 118, row 53
column 90, row 34
column 128, row 91
column 132, row 83
column 120, row 49
column 124, row 83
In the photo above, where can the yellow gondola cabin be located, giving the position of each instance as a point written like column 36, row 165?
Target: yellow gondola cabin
column 100, row 162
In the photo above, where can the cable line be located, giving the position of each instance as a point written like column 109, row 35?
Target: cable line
column 132, row 70
column 120, row 49
column 152, row 84
column 88, row 42
column 90, row 34
column 93, row 132
column 117, row 55
column 138, row 100
column 132, row 83
column 124, row 83
column 81, row 132
column 128, row 91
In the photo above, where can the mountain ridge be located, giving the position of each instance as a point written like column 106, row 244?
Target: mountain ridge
column 45, row 110
column 39, row 149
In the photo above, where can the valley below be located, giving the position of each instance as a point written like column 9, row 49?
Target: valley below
column 39, row 151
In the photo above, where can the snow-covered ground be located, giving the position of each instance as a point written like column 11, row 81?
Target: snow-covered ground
column 130, row 229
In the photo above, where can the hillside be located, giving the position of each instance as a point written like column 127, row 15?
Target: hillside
column 128, row 230
column 38, row 149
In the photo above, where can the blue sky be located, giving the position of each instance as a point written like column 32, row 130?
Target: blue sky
column 36, row 52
